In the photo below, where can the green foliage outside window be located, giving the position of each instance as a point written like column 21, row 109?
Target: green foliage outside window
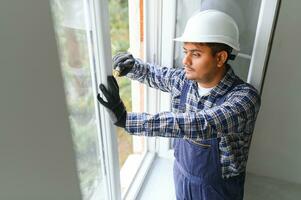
column 119, row 23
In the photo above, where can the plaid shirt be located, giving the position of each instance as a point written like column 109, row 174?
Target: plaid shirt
column 232, row 122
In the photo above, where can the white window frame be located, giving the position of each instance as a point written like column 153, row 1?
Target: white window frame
column 159, row 49
column 153, row 48
column 160, row 22
column 262, row 43
column 103, row 68
column 167, row 47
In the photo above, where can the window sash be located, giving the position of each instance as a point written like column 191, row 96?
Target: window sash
column 102, row 61
column 262, row 43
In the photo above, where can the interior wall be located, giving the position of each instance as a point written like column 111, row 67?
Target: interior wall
column 275, row 149
column 37, row 159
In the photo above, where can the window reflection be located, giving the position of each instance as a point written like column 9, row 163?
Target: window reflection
column 73, row 47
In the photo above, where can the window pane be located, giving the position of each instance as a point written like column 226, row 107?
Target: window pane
column 245, row 13
column 71, row 31
column 131, row 148
column 120, row 43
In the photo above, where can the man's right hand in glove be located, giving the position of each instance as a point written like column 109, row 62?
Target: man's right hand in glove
column 123, row 63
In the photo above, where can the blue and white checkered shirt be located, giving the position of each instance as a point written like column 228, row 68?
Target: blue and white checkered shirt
column 232, row 122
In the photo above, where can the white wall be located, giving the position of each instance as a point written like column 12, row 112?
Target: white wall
column 275, row 149
column 36, row 156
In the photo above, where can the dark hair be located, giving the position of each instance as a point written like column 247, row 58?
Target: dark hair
column 218, row 47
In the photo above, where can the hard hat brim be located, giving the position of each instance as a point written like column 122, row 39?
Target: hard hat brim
column 217, row 39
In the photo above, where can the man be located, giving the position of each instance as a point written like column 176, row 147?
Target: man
column 213, row 111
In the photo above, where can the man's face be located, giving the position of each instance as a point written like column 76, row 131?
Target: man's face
column 200, row 64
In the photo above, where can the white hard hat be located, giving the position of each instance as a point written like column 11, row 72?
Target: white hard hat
column 211, row 26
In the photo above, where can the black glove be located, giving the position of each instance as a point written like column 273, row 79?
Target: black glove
column 123, row 63
column 114, row 104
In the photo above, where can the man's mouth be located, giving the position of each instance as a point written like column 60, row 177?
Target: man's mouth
column 188, row 69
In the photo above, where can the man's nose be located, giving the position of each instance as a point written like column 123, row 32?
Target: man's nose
column 186, row 60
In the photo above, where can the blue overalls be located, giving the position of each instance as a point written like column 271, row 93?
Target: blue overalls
column 197, row 170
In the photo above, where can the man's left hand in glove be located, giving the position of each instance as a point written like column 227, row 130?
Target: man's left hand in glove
column 114, row 104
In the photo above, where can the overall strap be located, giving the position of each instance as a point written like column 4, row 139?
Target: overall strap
column 183, row 96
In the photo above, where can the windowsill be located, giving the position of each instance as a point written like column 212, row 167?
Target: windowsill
column 136, row 178
column 129, row 170
column 153, row 170
column 159, row 182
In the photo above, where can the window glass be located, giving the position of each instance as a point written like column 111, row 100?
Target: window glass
column 131, row 149
column 71, row 32
column 73, row 36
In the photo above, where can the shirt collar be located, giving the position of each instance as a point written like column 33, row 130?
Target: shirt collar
column 225, row 83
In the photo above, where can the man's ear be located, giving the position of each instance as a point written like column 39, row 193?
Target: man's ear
column 222, row 57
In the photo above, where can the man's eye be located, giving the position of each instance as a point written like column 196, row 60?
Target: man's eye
column 185, row 52
column 196, row 55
